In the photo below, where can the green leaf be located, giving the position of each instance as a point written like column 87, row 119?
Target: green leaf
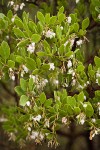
column 39, row 28
column 50, row 136
column 10, row 14
column 30, row 63
column 76, row 51
column 20, row 59
column 61, row 49
column 23, row 84
column 36, row 38
column 82, row 32
column 1, row 64
column 23, row 100
column 45, row 67
column 18, row 33
column 80, row 68
column 25, row 17
column 97, row 8
column 41, row 17
column 42, row 98
column 32, row 26
column 76, row 27
column 77, row 110
column 74, row 18
column 97, row 61
column 38, row 61
column 2, row 24
column 4, row 50
column 69, row 54
column 85, row 23
column 89, row 110
column 80, row 97
column 53, row 19
column 58, row 32
column 98, row 122
column 41, row 54
column 19, row 91
column 61, row 17
column 69, row 110
column 31, row 84
column 47, row 18
column 23, row 43
column 19, row 23
column 46, row 46
column 61, row 10
column 71, row 101
column 36, row 71
column 48, row 103
column 11, row 63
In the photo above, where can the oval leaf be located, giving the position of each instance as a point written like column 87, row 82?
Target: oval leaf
column 23, row 100
column 4, row 50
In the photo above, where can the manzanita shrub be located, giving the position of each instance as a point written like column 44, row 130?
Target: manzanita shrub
column 45, row 60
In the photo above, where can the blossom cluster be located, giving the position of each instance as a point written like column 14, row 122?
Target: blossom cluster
column 98, row 107
column 71, row 42
column 49, row 34
column 11, row 74
column 31, row 48
column 40, row 82
column 36, row 135
column 15, row 6
column 94, row 132
column 81, row 118
column 24, row 70
column 98, row 76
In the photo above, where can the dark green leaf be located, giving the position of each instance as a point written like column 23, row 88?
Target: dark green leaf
column 85, row 23
column 97, row 61
column 30, row 63
column 4, row 50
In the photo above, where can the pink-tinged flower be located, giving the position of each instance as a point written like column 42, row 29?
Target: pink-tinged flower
column 50, row 34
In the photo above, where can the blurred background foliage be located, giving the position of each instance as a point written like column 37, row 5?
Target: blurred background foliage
column 73, row 138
